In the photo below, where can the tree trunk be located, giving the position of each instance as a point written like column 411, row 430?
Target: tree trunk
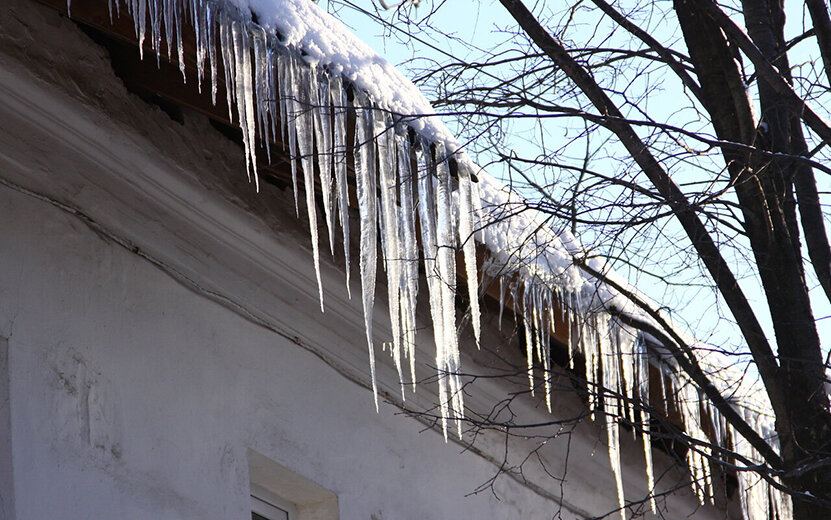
column 765, row 187
column 765, row 190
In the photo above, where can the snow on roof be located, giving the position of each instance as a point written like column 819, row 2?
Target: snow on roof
column 288, row 73
column 325, row 41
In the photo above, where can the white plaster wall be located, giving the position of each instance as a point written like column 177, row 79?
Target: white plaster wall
column 162, row 319
column 135, row 398
column 6, row 469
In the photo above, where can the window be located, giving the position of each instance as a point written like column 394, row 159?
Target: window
column 268, row 506
column 278, row 493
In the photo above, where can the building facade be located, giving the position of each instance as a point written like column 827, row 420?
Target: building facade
column 162, row 350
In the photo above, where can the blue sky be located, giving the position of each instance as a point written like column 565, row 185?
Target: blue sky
column 476, row 30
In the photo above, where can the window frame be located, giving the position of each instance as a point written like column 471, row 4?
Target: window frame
column 271, row 506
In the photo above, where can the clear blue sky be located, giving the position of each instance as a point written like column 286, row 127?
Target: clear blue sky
column 476, row 25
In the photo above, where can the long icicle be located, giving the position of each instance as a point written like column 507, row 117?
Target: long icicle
column 322, row 108
column 245, row 96
column 409, row 276
column 446, row 264
column 385, row 138
column 338, row 95
column 469, row 250
column 262, row 65
column 289, row 109
column 226, row 47
column 305, row 141
column 527, row 320
column 365, row 182
column 643, row 395
column 429, row 244
column 610, row 374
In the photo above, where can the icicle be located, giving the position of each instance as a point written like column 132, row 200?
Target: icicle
column 689, row 406
column 429, row 244
column 381, row 220
column 609, row 367
column 259, row 39
column 650, row 472
column 289, row 112
column 210, row 38
column 592, row 340
column 445, row 258
column 546, row 327
column 385, row 138
column 272, row 96
column 153, row 8
column 754, row 494
column 339, row 159
column 245, row 96
column 501, row 300
column 627, row 368
column 321, row 100
column 156, row 10
column 180, row 48
column 572, row 329
column 620, row 360
column 446, row 264
column 536, row 316
column 276, row 105
column 228, row 62
column 529, row 337
column 605, row 368
column 589, row 347
column 478, row 212
column 613, row 438
column 469, row 250
column 642, row 376
column 409, row 247
column 305, row 143
column 365, row 181
column 140, row 19
column 168, row 7
column 200, row 28
column 664, row 389
column 513, row 290
column 533, row 314
column 283, row 79
column 725, row 433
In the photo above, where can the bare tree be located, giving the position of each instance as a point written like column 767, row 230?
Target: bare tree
column 690, row 157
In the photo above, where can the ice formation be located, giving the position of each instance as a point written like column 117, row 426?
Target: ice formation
column 289, row 77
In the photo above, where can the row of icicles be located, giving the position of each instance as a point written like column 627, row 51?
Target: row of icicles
column 275, row 96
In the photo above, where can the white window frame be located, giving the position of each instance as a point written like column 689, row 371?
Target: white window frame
column 271, row 506
column 286, row 490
